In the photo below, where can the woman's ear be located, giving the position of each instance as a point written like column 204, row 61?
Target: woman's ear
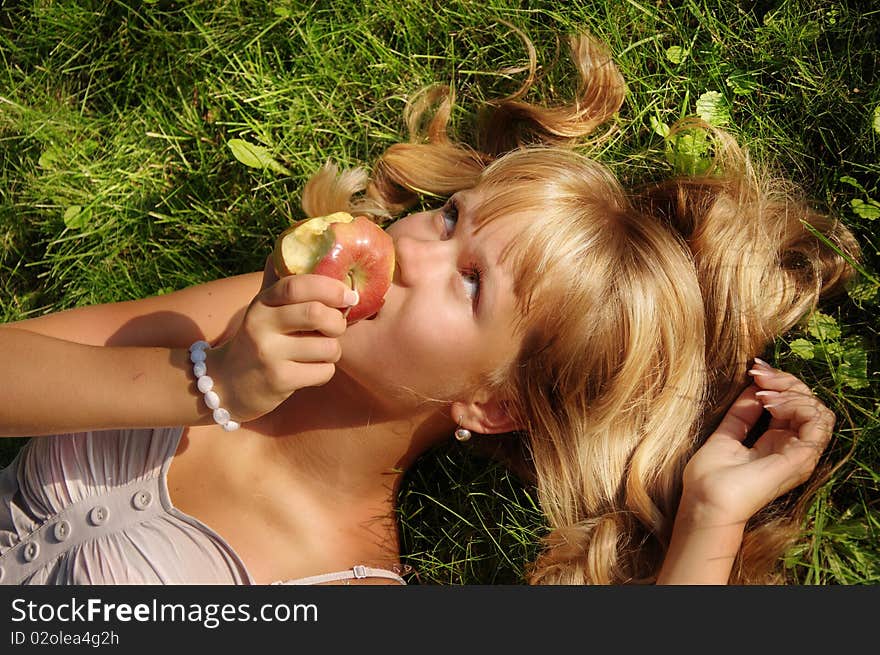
column 484, row 416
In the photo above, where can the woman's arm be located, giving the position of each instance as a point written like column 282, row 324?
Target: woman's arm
column 52, row 386
column 702, row 549
column 56, row 378
column 726, row 482
column 211, row 311
column 286, row 340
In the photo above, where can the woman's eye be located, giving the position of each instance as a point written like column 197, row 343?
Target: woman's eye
column 472, row 278
column 449, row 214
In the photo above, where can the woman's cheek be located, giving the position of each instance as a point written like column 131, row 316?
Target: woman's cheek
column 424, row 344
column 417, row 345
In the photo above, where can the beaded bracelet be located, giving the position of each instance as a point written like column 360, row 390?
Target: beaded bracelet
column 206, row 386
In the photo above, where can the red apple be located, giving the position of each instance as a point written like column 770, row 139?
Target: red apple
column 354, row 250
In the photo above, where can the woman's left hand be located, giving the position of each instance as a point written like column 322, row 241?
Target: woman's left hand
column 731, row 482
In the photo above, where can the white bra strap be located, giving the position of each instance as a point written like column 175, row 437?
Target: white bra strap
column 356, row 572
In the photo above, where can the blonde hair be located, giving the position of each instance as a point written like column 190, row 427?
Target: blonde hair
column 639, row 310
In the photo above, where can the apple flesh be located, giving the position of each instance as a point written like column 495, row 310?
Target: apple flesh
column 353, row 250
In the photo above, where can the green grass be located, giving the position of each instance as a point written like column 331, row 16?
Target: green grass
column 117, row 115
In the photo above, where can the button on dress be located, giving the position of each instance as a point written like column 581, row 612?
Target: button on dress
column 91, row 508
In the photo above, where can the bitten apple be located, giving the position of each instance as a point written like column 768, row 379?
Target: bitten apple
column 354, row 250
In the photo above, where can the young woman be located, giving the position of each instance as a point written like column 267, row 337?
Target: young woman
column 603, row 336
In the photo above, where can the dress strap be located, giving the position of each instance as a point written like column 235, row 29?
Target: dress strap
column 355, row 572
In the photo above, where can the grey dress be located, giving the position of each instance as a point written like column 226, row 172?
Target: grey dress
column 93, row 508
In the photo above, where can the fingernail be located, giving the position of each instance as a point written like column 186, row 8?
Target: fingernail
column 761, row 362
column 767, row 393
column 351, row 297
column 755, row 371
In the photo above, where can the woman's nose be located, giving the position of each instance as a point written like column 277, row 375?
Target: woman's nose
column 419, row 260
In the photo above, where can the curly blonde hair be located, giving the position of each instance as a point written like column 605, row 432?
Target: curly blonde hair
column 639, row 309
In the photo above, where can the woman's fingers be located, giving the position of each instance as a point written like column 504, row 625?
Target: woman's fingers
column 300, row 360
column 310, row 316
column 789, row 463
column 309, row 349
column 772, row 379
column 308, row 287
column 737, row 480
column 312, row 375
column 269, row 275
column 806, row 415
column 787, row 457
column 741, row 417
column 767, row 377
column 791, row 455
column 288, row 339
column 300, row 303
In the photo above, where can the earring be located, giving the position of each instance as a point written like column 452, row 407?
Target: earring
column 462, row 434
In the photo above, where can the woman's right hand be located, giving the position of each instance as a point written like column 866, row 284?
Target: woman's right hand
column 288, row 339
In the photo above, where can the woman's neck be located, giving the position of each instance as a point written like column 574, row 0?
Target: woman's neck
column 345, row 443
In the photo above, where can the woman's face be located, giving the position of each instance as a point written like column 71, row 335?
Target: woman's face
column 448, row 316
